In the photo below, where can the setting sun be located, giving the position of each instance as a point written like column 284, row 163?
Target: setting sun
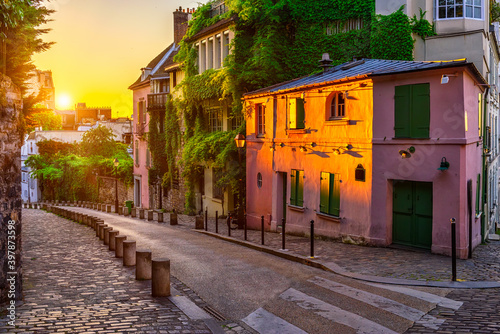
column 63, row 101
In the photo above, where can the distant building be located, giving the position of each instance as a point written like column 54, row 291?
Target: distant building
column 67, row 119
column 90, row 115
column 121, row 128
column 41, row 81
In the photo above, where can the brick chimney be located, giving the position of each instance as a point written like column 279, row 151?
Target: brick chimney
column 180, row 24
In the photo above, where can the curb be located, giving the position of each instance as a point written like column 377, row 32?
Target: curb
column 336, row 269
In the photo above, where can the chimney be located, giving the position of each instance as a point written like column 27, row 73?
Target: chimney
column 180, row 24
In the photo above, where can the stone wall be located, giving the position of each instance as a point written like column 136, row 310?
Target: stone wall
column 10, row 189
column 174, row 199
column 107, row 191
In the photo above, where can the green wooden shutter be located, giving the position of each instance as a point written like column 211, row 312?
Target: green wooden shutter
column 324, row 192
column 293, row 114
column 402, row 111
column 335, row 195
column 478, row 193
column 301, row 114
column 300, row 188
column 420, row 111
column 293, row 187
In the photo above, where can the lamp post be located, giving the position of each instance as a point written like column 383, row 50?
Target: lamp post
column 116, row 163
column 240, row 143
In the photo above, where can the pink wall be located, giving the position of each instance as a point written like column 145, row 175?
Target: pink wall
column 141, row 169
column 449, row 139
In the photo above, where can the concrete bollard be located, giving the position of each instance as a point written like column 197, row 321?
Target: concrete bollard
column 199, row 223
column 160, row 277
column 119, row 239
column 44, row 206
column 173, row 218
column 143, row 264
column 141, row 213
column 25, row 205
column 134, row 212
column 97, row 224
column 125, row 211
column 99, row 207
column 106, row 234
column 108, row 208
column 150, row 215
column 30, row 206
column 160, row 217
column 129, row 247
column 112, row 241
column 101, row 231
column 120, row 211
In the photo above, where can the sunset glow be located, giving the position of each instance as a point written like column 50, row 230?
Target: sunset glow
column 63, row 101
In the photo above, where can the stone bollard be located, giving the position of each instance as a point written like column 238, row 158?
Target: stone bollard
column 44, row 206
column 134, row 212
column 125, row 211
column 119, row 239
column 99, row 207
column 120, row 212
column 112, row 241
column 141, row 213
column 129, row 247
column 97, row 225
column 173, row 218
column 108, row 208
column 30, row 206
column 101, row 231
column 25, row 205
column 143, row 265
column 150, row 215
column 199, row 223
column 160, row 277
column 106, row 234
column 160, row 217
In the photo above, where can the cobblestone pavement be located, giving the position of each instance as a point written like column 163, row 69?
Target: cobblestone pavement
column 73, row 284
column 378, row 261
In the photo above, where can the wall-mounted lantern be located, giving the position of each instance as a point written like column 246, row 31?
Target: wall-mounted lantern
column 360, row 173
column 444, row 165
column 405, row 154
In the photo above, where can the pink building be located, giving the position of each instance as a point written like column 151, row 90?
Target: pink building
column 373, row 151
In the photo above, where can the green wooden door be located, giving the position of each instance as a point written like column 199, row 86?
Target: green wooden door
column 412, row 214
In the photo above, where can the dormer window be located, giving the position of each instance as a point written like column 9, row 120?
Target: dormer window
column 337, row 105
column 450, row 9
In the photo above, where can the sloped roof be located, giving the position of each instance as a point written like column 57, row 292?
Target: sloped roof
column 363, row 69
column 157, row 65
column 214, row 27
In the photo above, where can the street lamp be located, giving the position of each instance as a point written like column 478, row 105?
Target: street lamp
column 240, row 143
column 116, row 163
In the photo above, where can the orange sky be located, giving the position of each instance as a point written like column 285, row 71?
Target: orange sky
column 101, row 45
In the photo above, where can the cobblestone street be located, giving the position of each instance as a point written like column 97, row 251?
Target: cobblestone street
column 73, row 284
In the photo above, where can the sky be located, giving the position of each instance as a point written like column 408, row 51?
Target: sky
column 101, row 45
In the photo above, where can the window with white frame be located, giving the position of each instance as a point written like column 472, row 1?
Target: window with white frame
column 215, row 119
column 450, row 9
column 337, row 105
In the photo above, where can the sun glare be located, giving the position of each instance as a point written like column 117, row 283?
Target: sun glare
column 63, row 101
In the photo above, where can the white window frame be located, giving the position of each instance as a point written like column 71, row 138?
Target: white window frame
column 334, row 106
column 464, row 4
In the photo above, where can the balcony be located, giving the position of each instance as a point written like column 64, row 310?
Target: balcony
column 157, row 101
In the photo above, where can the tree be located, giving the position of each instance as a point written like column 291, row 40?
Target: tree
column 42, row 117
column 494, row 11
column 20, row 36
column 98, row 141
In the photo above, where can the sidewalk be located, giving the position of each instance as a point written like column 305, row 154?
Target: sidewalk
column 73, row 285
column 363, row 262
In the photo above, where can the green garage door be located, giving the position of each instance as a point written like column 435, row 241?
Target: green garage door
column 412, row 214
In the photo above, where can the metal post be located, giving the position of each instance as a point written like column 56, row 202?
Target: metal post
column 262, row 228
column 216, row 221
column 228, row 220
column 245, row 225
column 312, row 239
column 283, row 234
column 453, row 251
column 206, row 220
column 116, row 190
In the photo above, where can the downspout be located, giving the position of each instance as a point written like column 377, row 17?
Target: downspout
column 485, row 167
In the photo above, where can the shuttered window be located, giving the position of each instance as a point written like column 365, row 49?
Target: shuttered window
column 478, row 194
column 330, row 194
column 297, row 188
column 297, row 114
column 412, row 111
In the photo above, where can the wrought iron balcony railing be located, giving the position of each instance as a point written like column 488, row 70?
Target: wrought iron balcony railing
column 158, row 100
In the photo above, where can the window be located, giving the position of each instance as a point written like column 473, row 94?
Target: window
column 215, row 119
column 210, row 53
column 217, row 49
column 217, row 191
column 449, row 9
column 260, row 112
column 259, row 180
column 137, row 152
column 337, row 105
column 236, row 121
column 141, row 118
column 339, row 26
column 478, row 194
column 297, row 188
column 148, row 158
column 225, row 44
column 412, row 111
column 330, row 194
column 174, row 79
column 297, row 114
column 203, row 56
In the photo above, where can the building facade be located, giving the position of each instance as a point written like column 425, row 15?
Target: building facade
column 359, row 148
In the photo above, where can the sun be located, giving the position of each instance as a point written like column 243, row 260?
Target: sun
column 63, row 101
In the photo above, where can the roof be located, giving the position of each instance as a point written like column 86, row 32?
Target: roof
column 364, row 68
column 157, row 65
column 214, row 27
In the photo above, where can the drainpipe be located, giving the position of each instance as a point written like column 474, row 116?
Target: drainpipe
column 485, row 167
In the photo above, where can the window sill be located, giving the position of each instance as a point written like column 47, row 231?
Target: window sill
column 261, row 136
column 296, row 208
column 297, row 131
column 339, row 121
column 328, row 217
